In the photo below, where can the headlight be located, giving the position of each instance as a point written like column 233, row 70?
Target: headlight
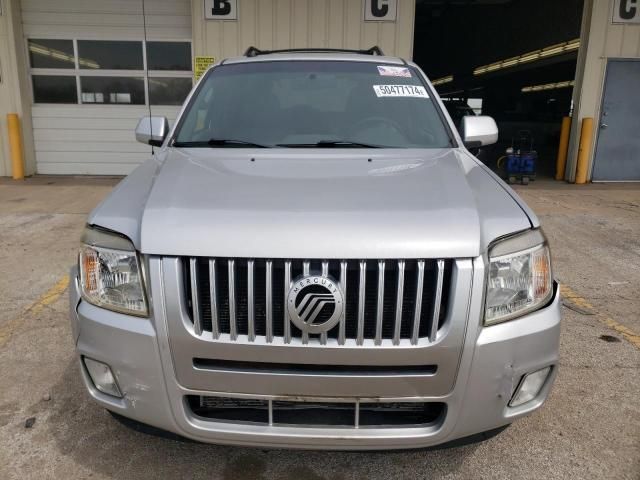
column 520, row 278
column 110, row 275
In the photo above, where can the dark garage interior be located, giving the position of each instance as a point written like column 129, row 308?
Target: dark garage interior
column 537, row 42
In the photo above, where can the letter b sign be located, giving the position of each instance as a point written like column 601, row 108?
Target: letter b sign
column 221, row 9
column 380, row 10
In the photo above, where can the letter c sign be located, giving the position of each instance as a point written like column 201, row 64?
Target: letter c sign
column 221, row 9
column 380, row 10
column 626, row 11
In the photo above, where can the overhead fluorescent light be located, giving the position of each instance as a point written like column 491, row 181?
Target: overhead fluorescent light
column 443, row 80
column 551, row 51
column 548, row 86
column 572, row 45
column 58, row 55
column 509, row 63
column 528, row 57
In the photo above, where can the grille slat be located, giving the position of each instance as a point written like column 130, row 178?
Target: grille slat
column 233, row 330
column 195, row 300
column 361, row 300
column 325, row 273
column 343, row 283
column 399, row 298
column 213, row 298
column 306, row 269
column 380, row 309
column 433, row 331
column 287, row 286
column 250, row 301
column 269, row 300
column 418, row 303
column 384, row 300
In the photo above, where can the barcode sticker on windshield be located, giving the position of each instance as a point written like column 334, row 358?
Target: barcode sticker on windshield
column 387, row 71
column 400, row 91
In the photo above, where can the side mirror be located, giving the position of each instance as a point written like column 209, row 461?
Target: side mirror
column 479, row 131
column 152, row 130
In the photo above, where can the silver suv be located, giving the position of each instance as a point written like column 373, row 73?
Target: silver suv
column 313, row 259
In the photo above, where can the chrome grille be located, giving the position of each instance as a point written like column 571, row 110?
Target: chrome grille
column 385, row 300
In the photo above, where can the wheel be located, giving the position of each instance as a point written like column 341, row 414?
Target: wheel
column 525, row 180
column 512, row 180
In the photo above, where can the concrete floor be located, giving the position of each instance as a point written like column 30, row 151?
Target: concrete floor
column 590, row 428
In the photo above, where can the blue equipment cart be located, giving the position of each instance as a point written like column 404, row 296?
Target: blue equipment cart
column 521, row 159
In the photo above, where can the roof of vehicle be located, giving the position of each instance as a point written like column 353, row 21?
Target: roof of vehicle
column 319, row 56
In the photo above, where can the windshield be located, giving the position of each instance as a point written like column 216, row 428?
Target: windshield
column 312, row 104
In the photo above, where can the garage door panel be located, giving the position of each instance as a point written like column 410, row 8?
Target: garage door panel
column 109, row 168
column 101, row 32
column 124, row 7
column 52, row 18
column 84, row 157
column 53, row 135
column 66, row 123
column 104, row 18
column 128, row 124
column 84, row 146
column 87, row 111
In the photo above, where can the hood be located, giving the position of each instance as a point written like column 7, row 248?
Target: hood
column 338, row 203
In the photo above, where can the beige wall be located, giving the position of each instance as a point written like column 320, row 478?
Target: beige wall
column 13, row 94
column 274, row 24
column 603, row 40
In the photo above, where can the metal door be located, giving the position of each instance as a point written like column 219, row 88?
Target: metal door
column 618, row 150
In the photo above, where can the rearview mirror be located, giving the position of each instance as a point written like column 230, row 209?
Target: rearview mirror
column 152, row 130
column 479, row 131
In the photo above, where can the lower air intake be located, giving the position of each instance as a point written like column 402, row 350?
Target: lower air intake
column 317, row 414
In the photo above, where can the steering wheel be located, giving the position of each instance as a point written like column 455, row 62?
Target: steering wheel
column 374, row 121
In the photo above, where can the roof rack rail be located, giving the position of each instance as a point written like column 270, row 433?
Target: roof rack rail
column 254, row 52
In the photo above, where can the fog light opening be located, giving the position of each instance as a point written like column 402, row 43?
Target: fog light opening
column 530, row 387
column 102, row 377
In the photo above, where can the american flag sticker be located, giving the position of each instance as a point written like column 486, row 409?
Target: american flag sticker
column 387, row 71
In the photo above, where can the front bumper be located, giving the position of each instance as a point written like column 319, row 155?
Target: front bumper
column 493, row 361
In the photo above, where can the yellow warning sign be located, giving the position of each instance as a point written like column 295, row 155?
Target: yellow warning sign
column 201, row 64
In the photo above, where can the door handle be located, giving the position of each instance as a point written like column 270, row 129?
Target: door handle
column 604, row 125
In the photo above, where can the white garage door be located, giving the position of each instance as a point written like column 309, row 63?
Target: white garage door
column 94, row 75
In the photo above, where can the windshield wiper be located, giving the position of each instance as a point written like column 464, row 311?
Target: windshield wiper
column 329, row 144
column 220, row 142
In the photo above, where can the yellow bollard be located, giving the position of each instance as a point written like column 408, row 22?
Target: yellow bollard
column 563, row 149
column 15, row 145
column 586, row 136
